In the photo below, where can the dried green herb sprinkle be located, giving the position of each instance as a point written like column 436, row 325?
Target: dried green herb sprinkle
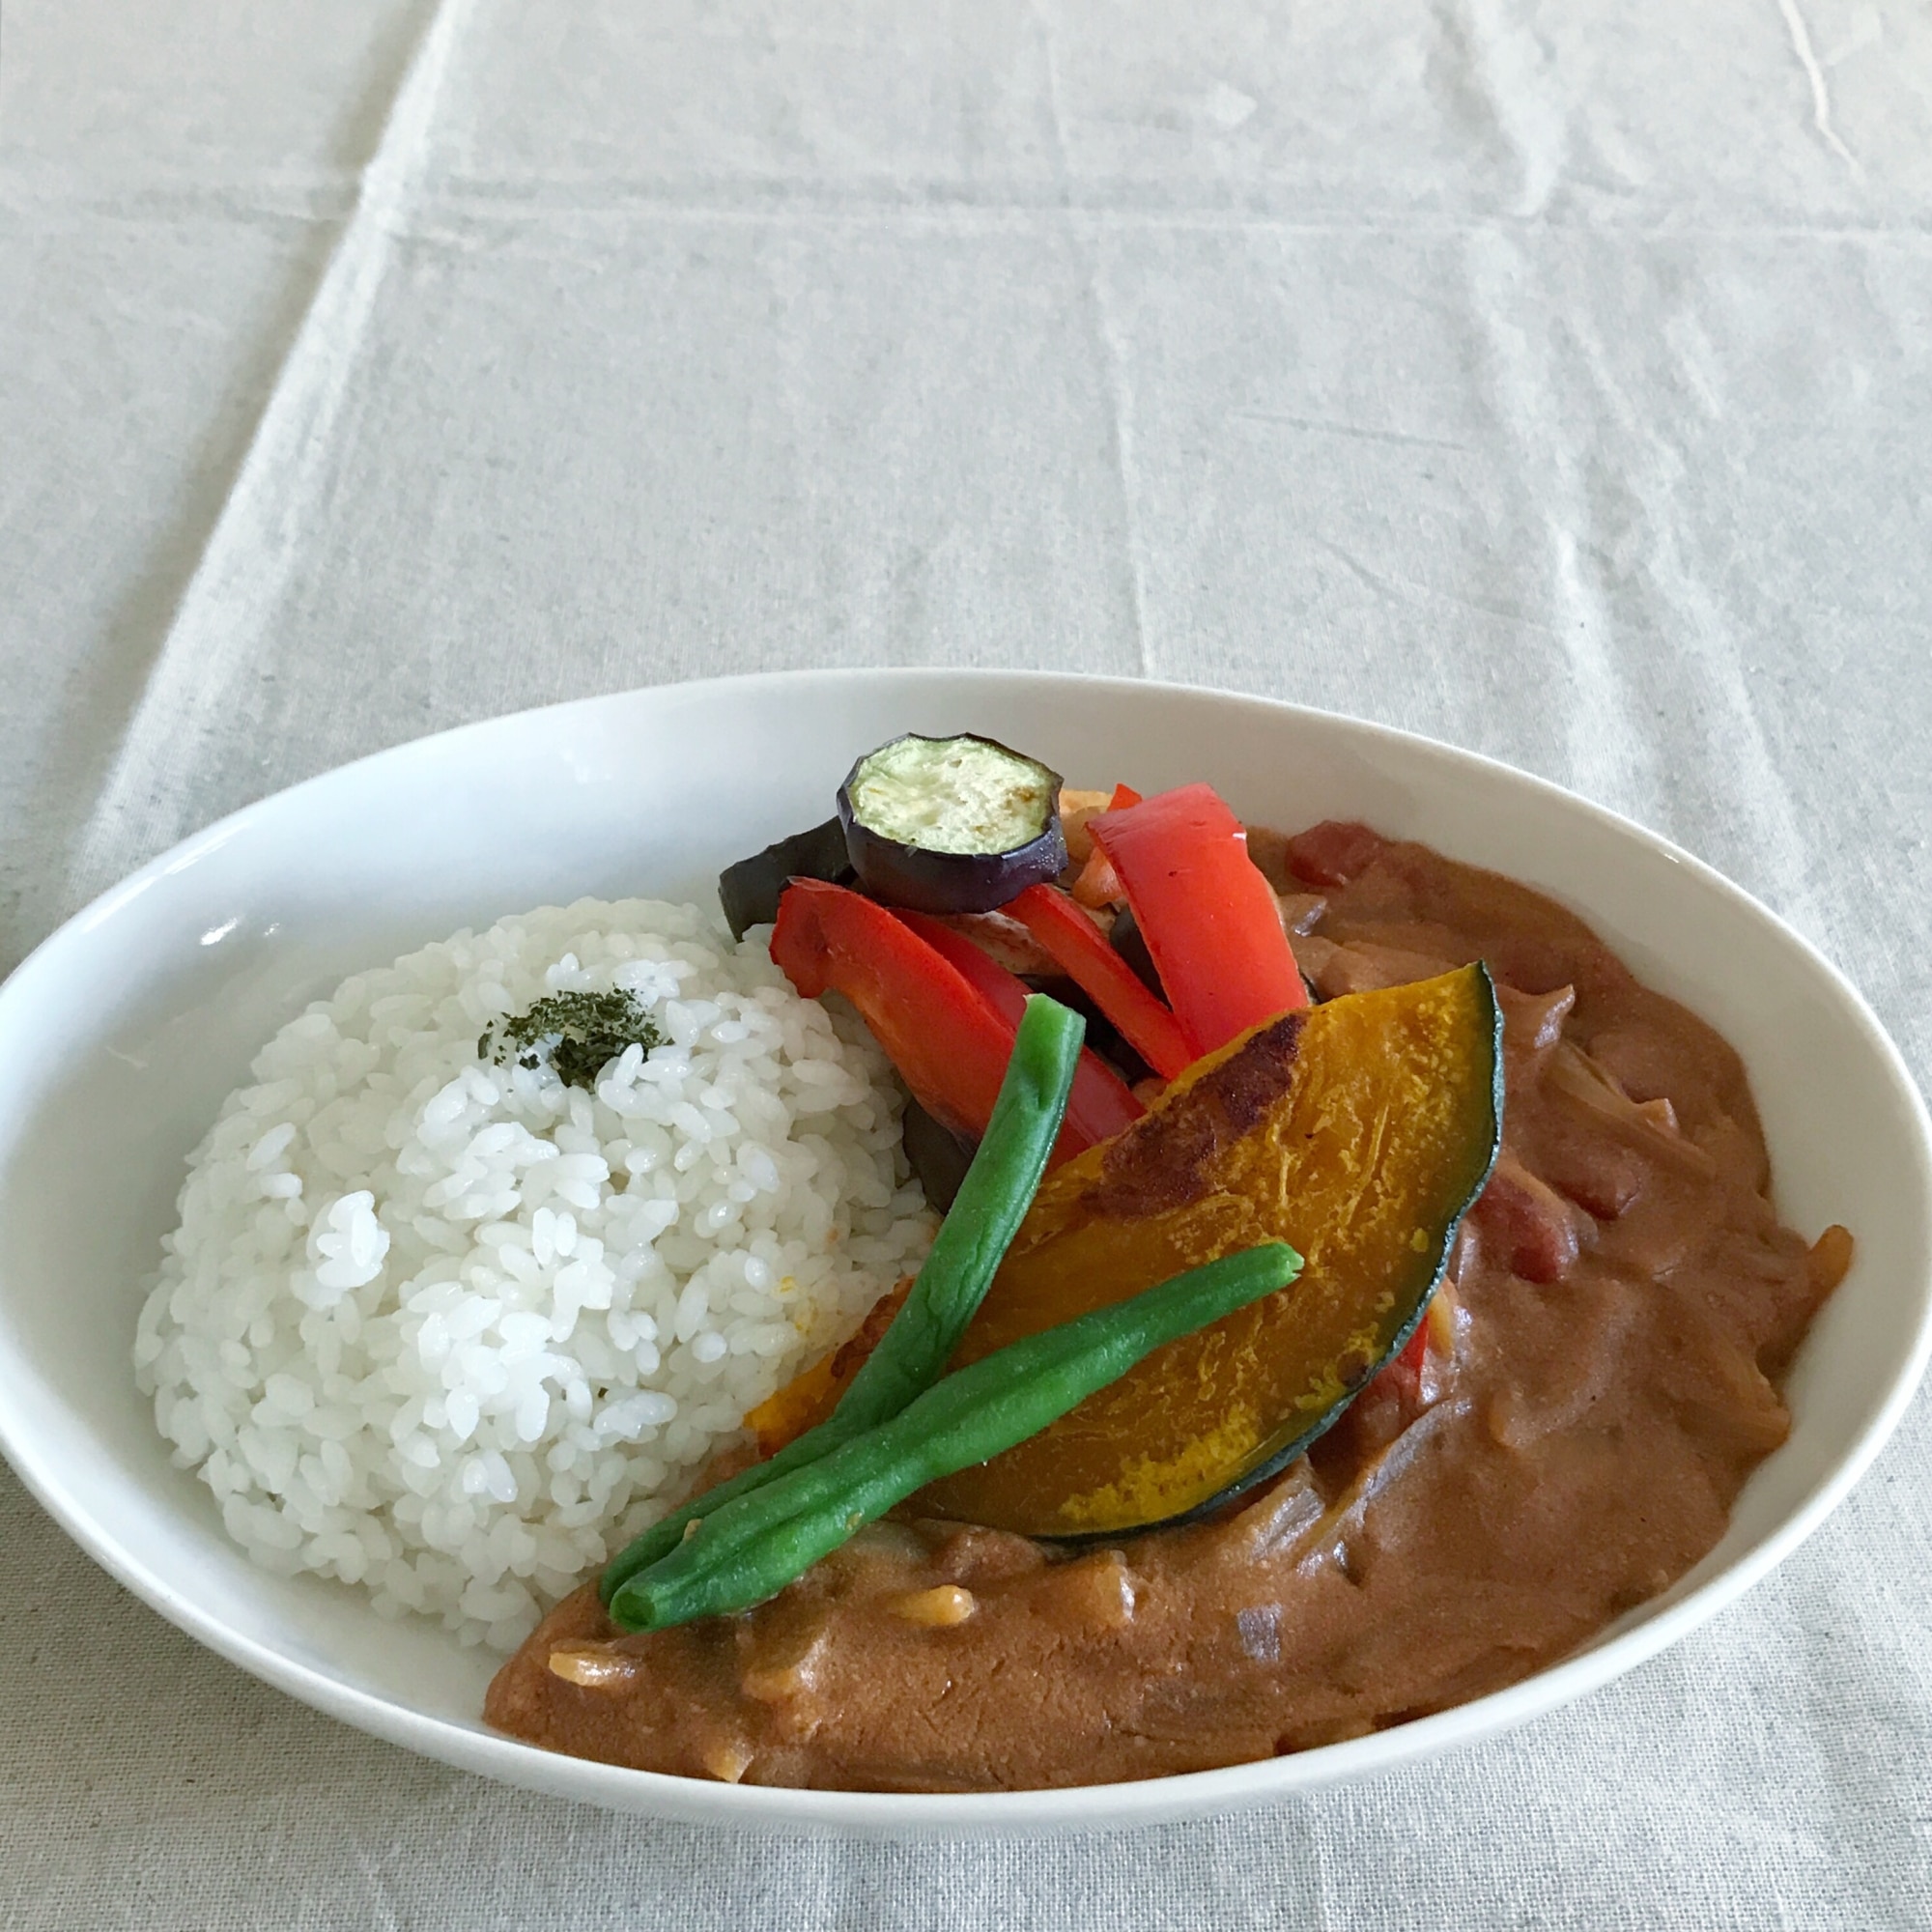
column 582, row 1033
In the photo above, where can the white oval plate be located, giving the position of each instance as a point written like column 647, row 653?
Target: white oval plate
column 122, row 1033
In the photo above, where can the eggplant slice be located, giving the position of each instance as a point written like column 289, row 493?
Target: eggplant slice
column 1130, row 943
column 950, row 825
column 937, row 1156
column 749, row 891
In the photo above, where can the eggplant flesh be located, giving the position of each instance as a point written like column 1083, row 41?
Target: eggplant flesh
column 951, row 825
column 749, row 890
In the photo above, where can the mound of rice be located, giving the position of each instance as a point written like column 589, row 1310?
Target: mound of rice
column 455, row 1331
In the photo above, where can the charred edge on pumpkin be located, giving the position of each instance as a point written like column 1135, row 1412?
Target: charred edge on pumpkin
column 1160, row 1163
column 1274, row 1465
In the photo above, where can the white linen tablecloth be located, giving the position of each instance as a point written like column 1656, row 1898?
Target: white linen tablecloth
column 1552, row 378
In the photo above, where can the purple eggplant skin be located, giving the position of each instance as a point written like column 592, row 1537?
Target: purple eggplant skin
column 1103, row 1037
column 937, row 1156
column 748, row 891
column 942, row 881
column 1132, row 947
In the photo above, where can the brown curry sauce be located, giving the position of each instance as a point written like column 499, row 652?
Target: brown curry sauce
column 1602, row 1378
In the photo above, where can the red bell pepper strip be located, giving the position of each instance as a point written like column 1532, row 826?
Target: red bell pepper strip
column 940, row 1029
column 1004, row 991
column 1076, row 945
column 1393, row 1400
column 1405, row 1371
column 1207, row 914
column 1101, row 1103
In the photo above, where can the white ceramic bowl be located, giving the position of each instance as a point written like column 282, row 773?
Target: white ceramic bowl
column 122, row 1033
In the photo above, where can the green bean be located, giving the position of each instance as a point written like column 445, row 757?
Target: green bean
column 985, row 1215
column 749, row 1550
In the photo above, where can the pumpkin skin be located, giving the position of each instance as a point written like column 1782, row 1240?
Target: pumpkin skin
column 1359, row 1131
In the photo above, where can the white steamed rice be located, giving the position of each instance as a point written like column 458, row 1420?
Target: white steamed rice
column 455, row 1331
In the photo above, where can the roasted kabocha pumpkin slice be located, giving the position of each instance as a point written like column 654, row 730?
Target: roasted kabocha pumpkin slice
column 1359, row 1131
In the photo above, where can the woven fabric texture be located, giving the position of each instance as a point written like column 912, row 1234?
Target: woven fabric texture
column 1554, row 378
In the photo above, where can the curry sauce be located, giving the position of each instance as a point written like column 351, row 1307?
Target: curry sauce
column 1601, row 1377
